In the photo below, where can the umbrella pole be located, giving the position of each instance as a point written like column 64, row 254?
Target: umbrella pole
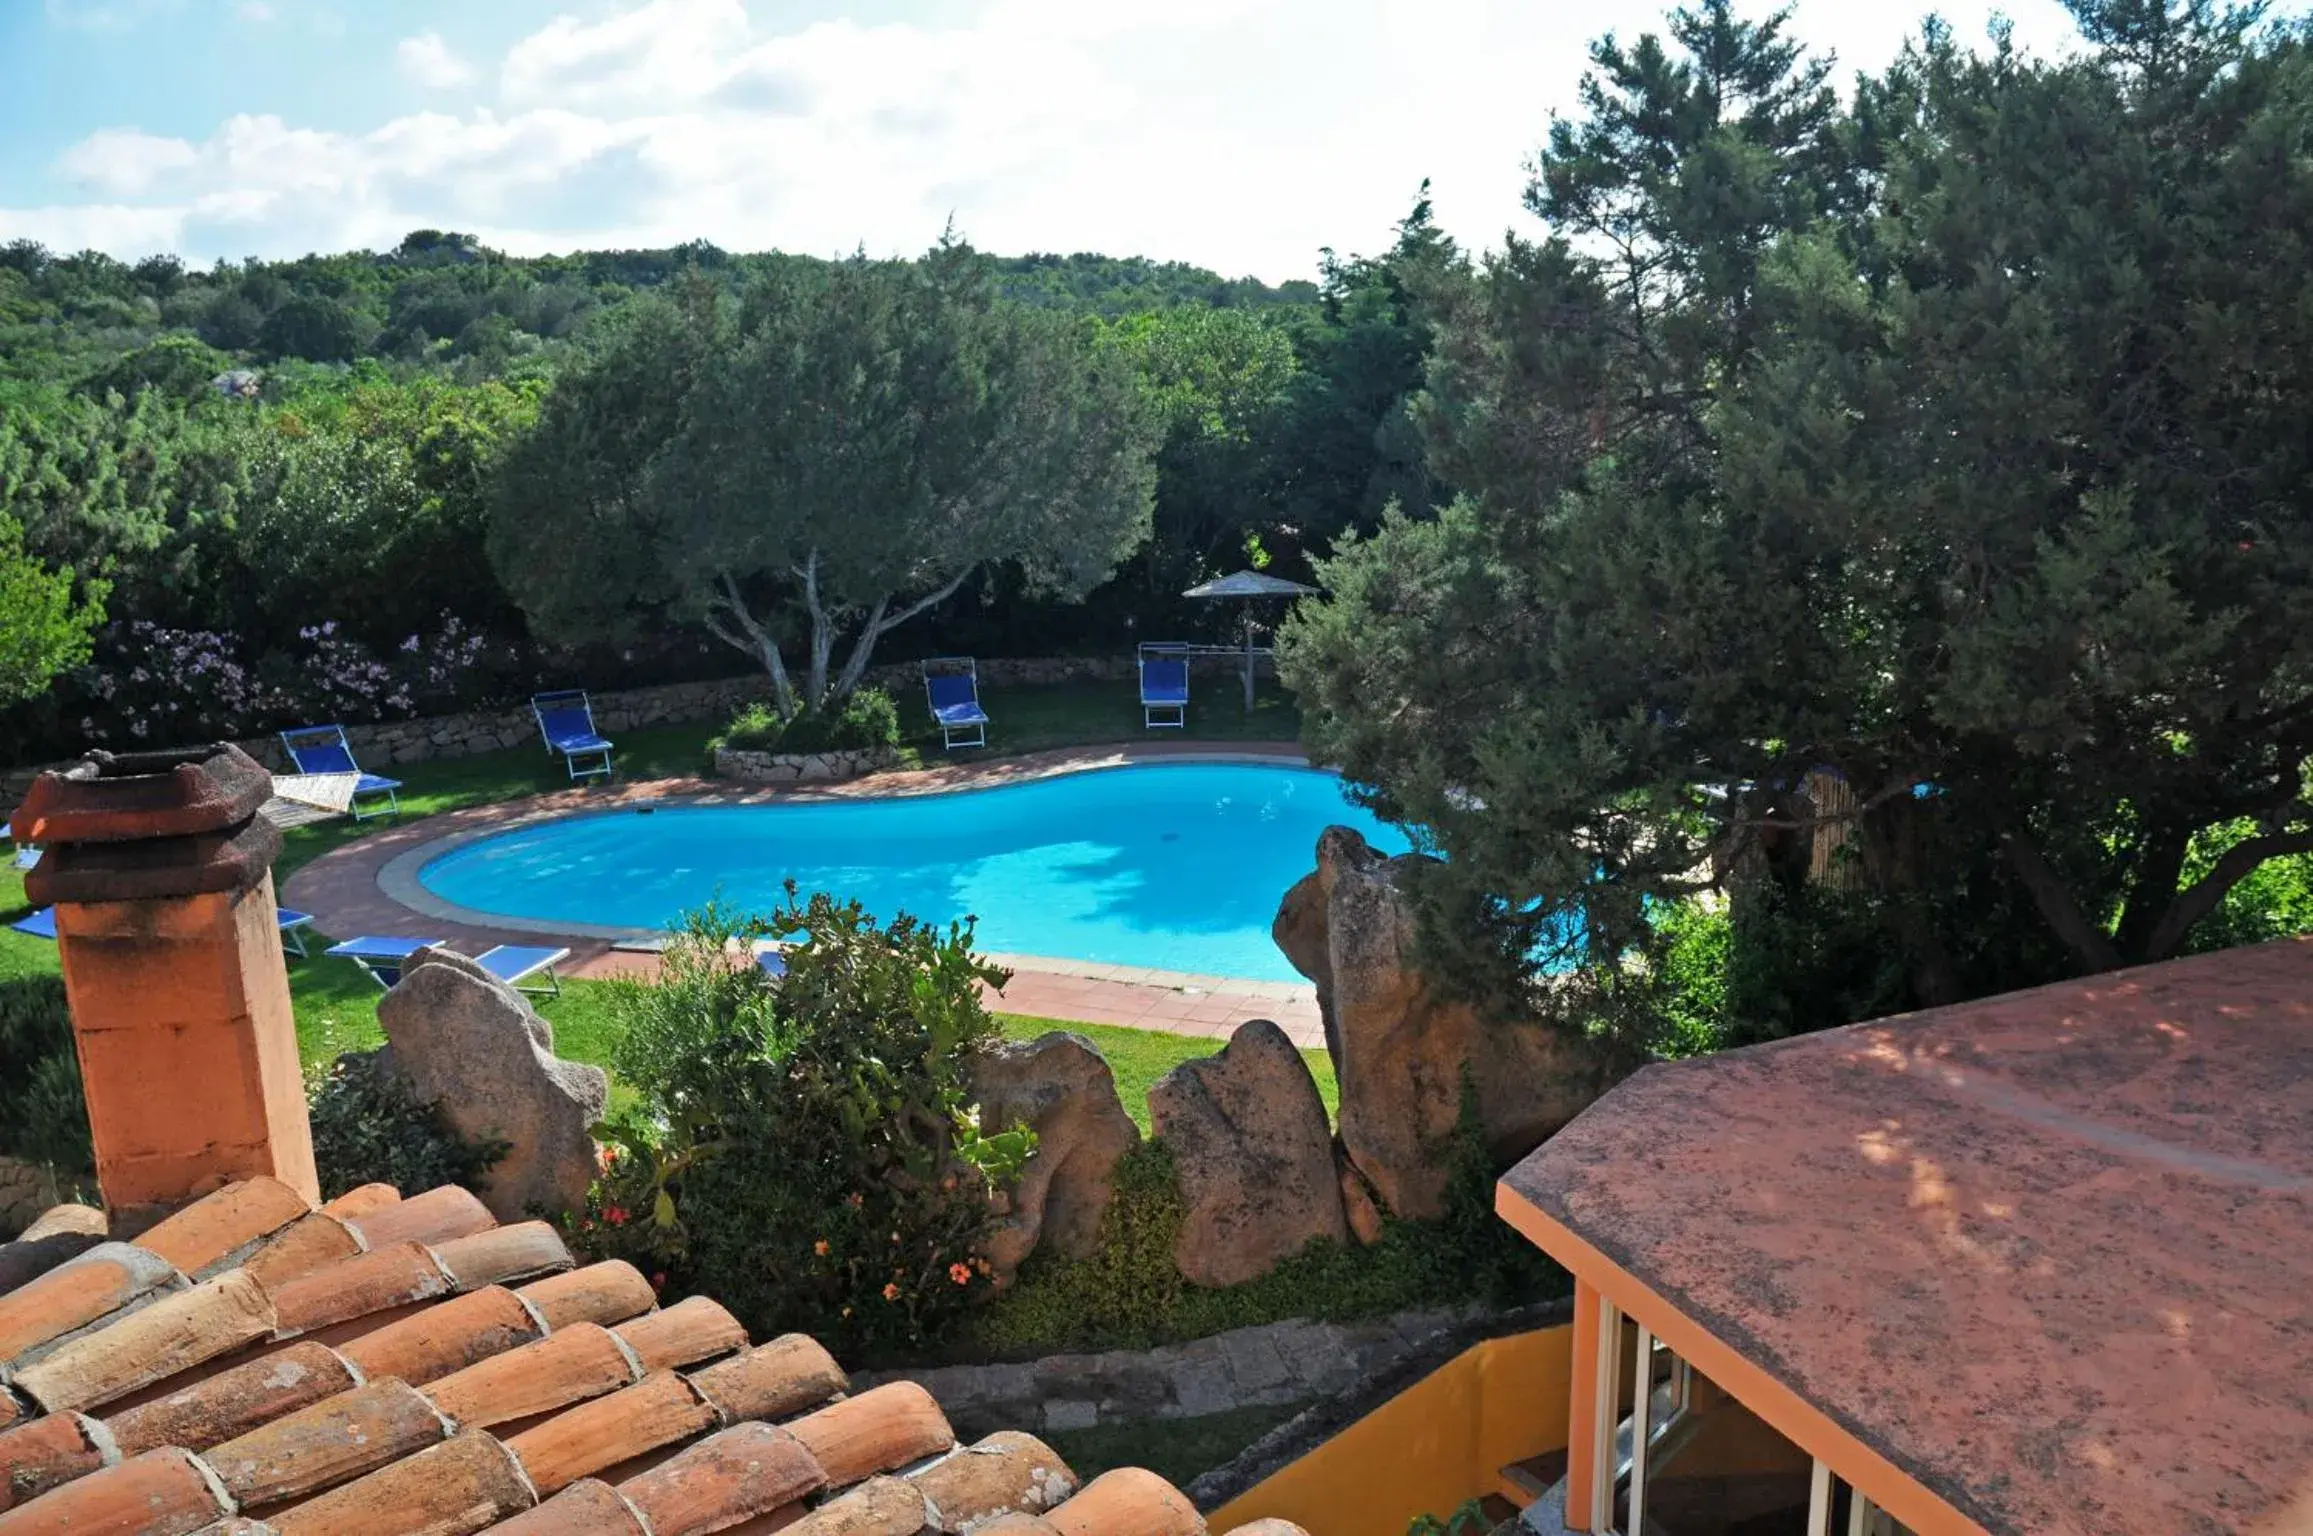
column 1248, row 659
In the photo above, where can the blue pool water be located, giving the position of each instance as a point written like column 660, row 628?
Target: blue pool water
column 1177, row 866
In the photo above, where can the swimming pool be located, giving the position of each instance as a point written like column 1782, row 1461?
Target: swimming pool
column 1178, row 866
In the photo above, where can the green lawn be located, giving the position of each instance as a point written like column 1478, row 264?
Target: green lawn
column 1138, row 1057
column 336, row 1003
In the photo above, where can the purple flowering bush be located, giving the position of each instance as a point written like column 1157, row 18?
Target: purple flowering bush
column 150, row 684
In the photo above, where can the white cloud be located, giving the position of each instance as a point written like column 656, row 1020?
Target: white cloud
column 430, row 62
column 1241, row 134
column 118, row 230
column 125, row 162
column 254, row 10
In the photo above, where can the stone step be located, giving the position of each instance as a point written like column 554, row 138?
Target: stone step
column 1522, row 1482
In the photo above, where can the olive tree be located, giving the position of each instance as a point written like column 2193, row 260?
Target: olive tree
column 806, row 468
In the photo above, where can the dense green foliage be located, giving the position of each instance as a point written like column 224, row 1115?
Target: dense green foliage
column 248, row 454
column 804, row 1150
column 1129, row 1294
column 43, row 1118
column 863, row 720
column 367, row 1129
column 44, row 627
column 1930, row 473
column 820, row 462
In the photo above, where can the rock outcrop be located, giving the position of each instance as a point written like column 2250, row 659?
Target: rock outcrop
column 1401, row 1049
column 472, row 1045
column 1254, row 1157
column 1060, row 1087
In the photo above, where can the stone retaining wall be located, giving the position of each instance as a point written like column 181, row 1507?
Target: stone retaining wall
column 382, row 745
column 1268, row 1366
column 801, row 767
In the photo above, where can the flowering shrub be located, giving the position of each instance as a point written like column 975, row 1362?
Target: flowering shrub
column 805, row 1148
column 154, row 684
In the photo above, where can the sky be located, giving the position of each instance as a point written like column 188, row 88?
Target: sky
column 1241, row 135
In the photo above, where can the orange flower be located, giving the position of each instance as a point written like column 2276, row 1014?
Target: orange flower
column 891, row 1290
column 820, row 1247
column 960, row 1273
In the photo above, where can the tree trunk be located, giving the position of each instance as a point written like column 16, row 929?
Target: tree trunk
column 2088, row 943
column 2159, row 862
column 822, row 635
column 881, row 622
column 2201, row 898
column 752, row 639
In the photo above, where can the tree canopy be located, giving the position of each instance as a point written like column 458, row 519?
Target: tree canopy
column 821, row 461
column 44, row 625
column 1926, row 479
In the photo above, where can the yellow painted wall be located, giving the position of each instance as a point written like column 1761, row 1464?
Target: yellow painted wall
column 1439, row 1443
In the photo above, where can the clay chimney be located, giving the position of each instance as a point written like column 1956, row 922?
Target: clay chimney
column 161, row 873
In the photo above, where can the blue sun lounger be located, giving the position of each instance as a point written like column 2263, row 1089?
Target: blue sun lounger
column 324, row 749
column 954, row 698
column 382, row 957
column 566, row 720
column 25, row 856
column 1164, row 684
column 42, row 925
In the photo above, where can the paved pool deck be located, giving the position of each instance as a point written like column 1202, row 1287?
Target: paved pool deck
column 370, row 887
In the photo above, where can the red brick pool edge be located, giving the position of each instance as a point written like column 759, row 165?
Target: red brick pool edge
column 343, row 892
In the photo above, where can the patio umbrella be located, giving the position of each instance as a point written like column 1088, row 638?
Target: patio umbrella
column 1250, row 586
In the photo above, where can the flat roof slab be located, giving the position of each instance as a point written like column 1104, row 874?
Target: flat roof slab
column 2051, row 1254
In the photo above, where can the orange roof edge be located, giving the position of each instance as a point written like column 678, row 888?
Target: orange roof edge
column 1806, row 1426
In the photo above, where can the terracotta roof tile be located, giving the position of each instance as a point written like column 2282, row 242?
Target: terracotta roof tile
column 329, row 1443
column 1268, row 1528
column 568, row 1366
column 151, row 1344
column 881, row 1506
column 462, row 1391
column 1008, row 1470
column 50, row 1452
column 1128, row 1502
column 59, row 1220
column 233, row 1402
column 28, row 1258
column 36, row 1316
column 658, row 1410
column 585, row 1508
column 313, row 1241
column 689, row 1332
column 161, row 1493
column 463, row 1485
column 605, row 1293
column 431, row 1343
column 359, row 1287
column 891, row 1426
column 216, row 1231
column 785, row 1376
column 725, row 1480
column 437, row 1216
column 503, row 1255
column 362, row 1201
column 1013, row 1523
